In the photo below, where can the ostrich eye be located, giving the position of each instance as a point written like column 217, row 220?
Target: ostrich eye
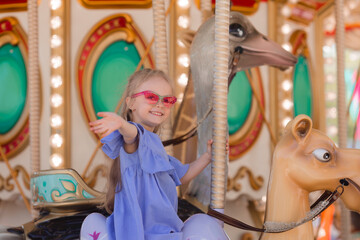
column 237, row 30
column 322, row 155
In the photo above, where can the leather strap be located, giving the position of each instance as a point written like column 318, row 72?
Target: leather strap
column 328, row 196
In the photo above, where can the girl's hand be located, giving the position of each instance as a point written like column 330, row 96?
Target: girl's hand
column 209, row 146
column 109, row 123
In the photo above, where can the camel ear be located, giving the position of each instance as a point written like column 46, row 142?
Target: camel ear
column 301, row 127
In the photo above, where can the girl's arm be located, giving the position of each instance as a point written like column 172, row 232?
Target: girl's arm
column 198, row 165
column 110, row 122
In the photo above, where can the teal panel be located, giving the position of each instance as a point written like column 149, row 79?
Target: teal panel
column 13, row 86
column 239, row 102
column 115, row 65
column 63, row 184
column 302, row 88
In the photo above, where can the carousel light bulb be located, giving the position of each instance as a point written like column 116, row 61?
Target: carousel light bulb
column 55, row 41
column 329, row 60
column 286, row 11
column 56, row 62
column 330, row 78
column 286, row 29
column 352, row 4
column 183, row 3
column 286, row 85
column 180, row 43
column 56, row 140
column 332, row 130
column 293, row 1
column 330, row 96
column 332, row 112
column 55, row 4
column 56, row 160
column 326, row 49
column 184, row 60
column 56, row 120
column 285, row 121
column 287, row 47
column 55, row 22
column 56, row 100
column 56, row 81
column 287, row 104
column 183, row 79
column 183, row 21
column 180, row 97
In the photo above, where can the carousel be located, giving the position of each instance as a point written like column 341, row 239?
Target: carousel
column 277, row 80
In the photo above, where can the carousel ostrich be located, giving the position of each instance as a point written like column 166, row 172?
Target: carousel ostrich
column 248, row 48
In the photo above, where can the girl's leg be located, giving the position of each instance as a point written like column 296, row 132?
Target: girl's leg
column 94, row 227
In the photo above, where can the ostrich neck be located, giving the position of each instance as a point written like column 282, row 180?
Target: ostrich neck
column 286, row 203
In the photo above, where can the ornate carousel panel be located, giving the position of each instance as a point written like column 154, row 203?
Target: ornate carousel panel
column 14, row 109
column 109, row 54
column 302, row 87
column 244, row 117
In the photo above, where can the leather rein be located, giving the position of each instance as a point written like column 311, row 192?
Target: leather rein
column 322, row 203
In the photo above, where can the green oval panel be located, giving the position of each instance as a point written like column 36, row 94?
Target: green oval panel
column 302, row 88
column 115, row 65
column 239, row 102
column 13, row 86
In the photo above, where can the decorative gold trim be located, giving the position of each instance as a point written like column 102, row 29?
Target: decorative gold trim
column 255, row 182
column 116, row 4
column 243, row 10
column 91, row 179
column 63, row 206
column 15, row 7
column 5, row 182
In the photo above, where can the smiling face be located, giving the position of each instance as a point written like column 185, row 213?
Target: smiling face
column 150, row 115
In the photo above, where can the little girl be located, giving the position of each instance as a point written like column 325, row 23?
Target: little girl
column 142, row 197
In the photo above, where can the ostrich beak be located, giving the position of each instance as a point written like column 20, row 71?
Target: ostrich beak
column 258, row 50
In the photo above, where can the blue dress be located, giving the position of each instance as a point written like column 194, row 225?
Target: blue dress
column 146, row 206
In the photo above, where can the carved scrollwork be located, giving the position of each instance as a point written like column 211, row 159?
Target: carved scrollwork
column 6, row 182
column 255, row 182
column 93, row 176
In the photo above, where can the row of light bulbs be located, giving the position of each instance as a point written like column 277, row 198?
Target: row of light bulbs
column 287, row 103
column 183, row 59
column 56, row 82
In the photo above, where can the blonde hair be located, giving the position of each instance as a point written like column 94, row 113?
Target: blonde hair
column 134, row 81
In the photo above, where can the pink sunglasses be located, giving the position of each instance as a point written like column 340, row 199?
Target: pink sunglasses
column 153, row 98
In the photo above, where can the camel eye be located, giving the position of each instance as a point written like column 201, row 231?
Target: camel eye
column 237, row 30
column 322, row 155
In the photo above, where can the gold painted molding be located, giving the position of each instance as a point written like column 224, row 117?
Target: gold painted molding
column 5, row 182
column 116, row 3
column 92, row 178
column 255, row 182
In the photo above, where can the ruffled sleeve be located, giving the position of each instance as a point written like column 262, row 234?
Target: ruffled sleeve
column 180, row 168
column 112, row 144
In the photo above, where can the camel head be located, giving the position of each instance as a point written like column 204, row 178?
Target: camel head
column 313, row 161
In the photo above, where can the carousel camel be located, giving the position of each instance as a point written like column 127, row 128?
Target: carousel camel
column 248, row 48
column 304, row 160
